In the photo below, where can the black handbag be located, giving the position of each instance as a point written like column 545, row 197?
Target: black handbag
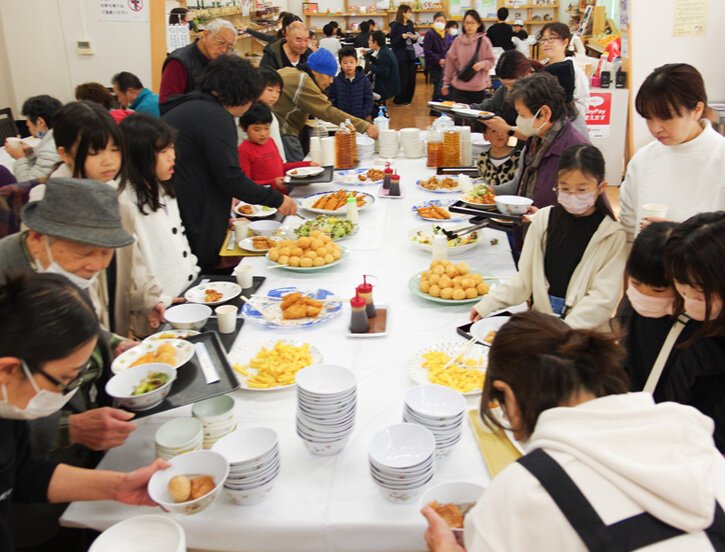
column 468, row 72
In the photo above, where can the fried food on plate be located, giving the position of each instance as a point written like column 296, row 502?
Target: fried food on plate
column 451, row 513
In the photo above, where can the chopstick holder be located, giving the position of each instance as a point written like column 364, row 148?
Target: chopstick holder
column 497, row 450
column 207, row 366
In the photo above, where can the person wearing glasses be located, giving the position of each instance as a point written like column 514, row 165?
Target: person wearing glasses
column 50, row 333
column 555, row 39
column 183, row 67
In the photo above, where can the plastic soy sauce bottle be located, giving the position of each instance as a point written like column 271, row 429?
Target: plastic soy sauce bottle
column 365, row 291
column 387, row 175
column 358, row 319
column 394, row 185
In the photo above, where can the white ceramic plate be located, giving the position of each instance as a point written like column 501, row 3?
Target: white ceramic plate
column 444, row 203
column 184, row 353
column 483, row 327
column 172, row 334
column 454, row 190
column 426, row 231
column 349, row 177
column 420, row 375
column 258, row 211
column 249, row 350
column 305, row 172
column 248, row 244
column 310, row 200
column 473, row 112
column 197, row 294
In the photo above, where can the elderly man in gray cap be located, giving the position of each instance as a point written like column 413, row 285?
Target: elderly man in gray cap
column 74, row 231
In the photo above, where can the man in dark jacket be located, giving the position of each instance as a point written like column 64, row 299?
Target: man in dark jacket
column 183, row 67
column 500, row 33
column 208, row 175
column 351, row 91
column 288, row 51
column 384, row 66
column 435, row 47
column 361, row 40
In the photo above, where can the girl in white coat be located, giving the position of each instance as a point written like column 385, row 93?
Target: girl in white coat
column 149, row 189
column 574, row 253
column 605, row 470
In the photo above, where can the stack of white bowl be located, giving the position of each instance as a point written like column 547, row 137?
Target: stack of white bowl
column 388, row 143
column 253, row 456
column 217, row 416
column 178, row 436
column 411, row 142
column 365, row 147
column 402, row 460
column 441, row 410
column 326, row 404
column 154, row 533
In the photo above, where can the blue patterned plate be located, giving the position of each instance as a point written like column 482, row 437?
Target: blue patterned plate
column 271, row 307
column 445, row 203
column 349, row 177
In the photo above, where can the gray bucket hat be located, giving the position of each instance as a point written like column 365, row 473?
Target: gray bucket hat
column 79, row 210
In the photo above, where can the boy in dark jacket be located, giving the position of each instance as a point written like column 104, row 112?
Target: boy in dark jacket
column 384, row 66
column 351, row 90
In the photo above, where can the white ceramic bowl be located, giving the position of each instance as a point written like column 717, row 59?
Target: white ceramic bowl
column 121, row 386
column 325, row 379
column 402, row 446
column 435, row 401
column 325, row 449
column 216, row 409
column 153, row 533
column 249, row 497
column 513, row 205
column 200, row 462
column 246, row 445
column 265, row 227
column 190, row 316
column 179, row 433
column 401, row 496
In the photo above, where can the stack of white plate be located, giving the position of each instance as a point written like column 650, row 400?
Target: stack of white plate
column 440, row 409
column 365, row 147
column 217, row 416
column 402, row 460
column 326, row 403
column 253, row 456
column 178, row 436
column 388, row 143
column 410, row 140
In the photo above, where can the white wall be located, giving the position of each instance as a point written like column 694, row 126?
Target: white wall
column 653, row 45
column 39, row 40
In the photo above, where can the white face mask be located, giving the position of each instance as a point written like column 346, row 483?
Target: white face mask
column 453, row 31
column 42, row 404
column 55, row 268
column 439, row 25
column 526, row 126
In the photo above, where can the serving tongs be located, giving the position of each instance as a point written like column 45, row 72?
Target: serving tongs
column 453, row 234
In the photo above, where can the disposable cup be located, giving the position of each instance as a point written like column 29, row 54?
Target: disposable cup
column 244, row 276
column 241, row 229
column 656, row 210
column 226, row 318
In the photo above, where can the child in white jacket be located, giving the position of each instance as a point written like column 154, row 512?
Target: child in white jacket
column 574, row 253
column 604, row 469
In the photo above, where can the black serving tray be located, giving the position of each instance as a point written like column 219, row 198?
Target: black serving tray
column 324, row 176
column 190, row 385
column 451, row 171
column 468, row 209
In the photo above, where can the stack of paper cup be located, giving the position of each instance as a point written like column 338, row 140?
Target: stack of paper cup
column 328, row 151
column 254, row 463
column 478, row 145
column 326, row 404
column 466, row 147
column 178, row 436
column 316, row 150
column 388, row 142
column 410, row 140
column 441, row 410
column 217, row 417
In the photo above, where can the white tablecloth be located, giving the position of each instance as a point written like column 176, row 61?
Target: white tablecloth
column 331, row 503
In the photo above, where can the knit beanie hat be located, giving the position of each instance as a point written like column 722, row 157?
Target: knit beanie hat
column 323, row 62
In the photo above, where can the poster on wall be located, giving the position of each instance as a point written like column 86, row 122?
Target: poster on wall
column 123, row 10
column 690, row 17
column 486, row 8
column 624, row 15
column 598, row 115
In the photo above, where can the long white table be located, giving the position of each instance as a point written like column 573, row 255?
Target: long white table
column 331, row 503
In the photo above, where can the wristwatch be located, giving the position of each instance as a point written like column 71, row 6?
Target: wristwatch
column 511, row 131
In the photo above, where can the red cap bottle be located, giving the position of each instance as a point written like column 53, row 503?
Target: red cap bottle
column 358, row 318
column 365, row 291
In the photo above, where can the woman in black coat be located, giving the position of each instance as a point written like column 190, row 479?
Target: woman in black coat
column 402, row 35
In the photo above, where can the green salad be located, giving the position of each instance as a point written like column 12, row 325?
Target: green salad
column 425, row 238
column 152, row 381
column 335, row 227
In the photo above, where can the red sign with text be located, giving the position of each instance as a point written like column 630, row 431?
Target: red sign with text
column 598, row 114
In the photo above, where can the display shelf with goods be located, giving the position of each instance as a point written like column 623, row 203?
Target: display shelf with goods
column 351, row 13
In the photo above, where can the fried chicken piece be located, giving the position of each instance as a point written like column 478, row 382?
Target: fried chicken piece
column 290, row 299
column 450, row 513
column 313, row 312
column 295, row 311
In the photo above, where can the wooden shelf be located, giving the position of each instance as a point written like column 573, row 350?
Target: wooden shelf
column 526, row 6
column 542, row 22
column 420, row 11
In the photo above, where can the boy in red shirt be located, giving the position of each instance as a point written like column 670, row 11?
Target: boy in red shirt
column 258, row 154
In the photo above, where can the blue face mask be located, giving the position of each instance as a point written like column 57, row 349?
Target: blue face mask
column 41, row 133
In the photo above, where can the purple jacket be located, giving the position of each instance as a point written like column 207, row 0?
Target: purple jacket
column 544, row 193
column 435, row 48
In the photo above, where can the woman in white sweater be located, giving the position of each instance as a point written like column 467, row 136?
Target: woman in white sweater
column 149, row 188
column 604, row 470
column 684, row 167
column 574, row 253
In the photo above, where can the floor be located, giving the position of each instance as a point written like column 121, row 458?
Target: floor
column 416, row 115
